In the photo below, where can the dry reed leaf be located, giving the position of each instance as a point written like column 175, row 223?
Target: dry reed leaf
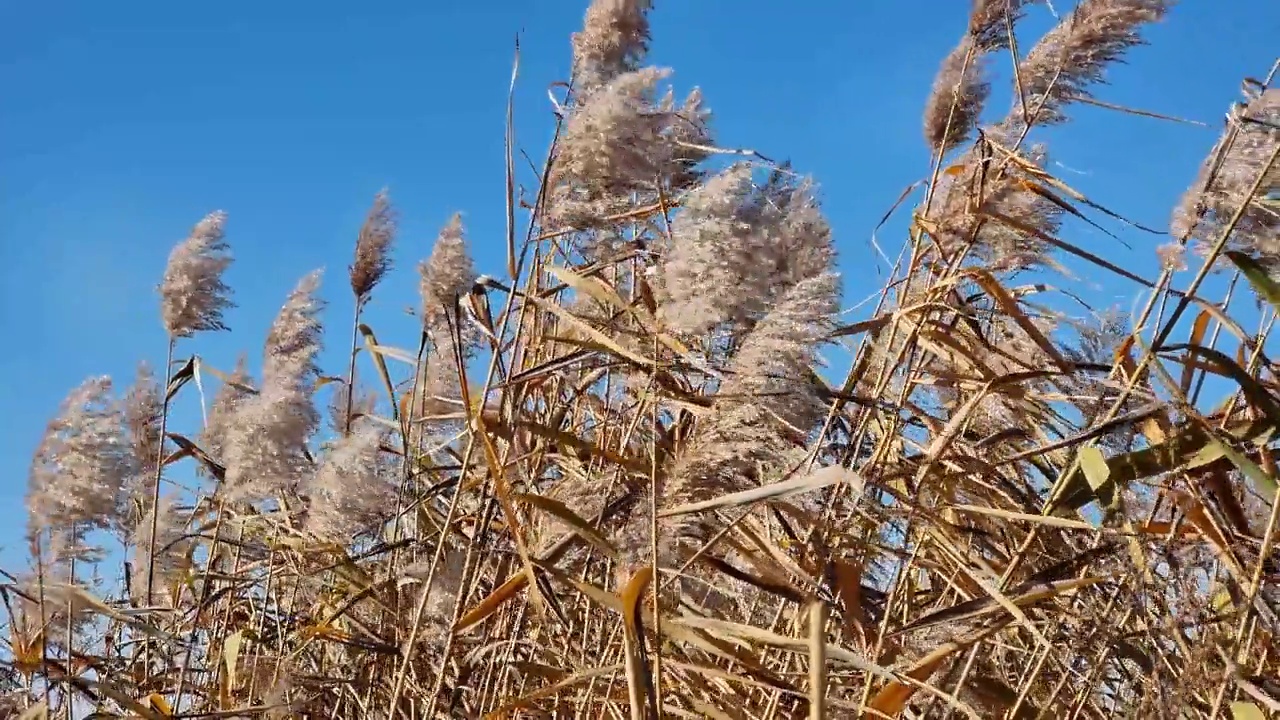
column 371, row 341
column 892, row 699
column 753, row 635
column 1221, row 364
column 817, row 660
column 1247, row 711
column 1048, row 520
column 798, row 484
column 231, row 655
column 1262, row 482
column 848, row 581
column 601, row 597
column 640, row 686
column 157, row 702
column 713, row 672
column 1009, row 306
column 598, row 338
column 38, row 711
column 502, row 490
column 491, row 602
column 394, row 353
column 1021, row 596
column 566, row 439
column 1258, row 276
column 707, row 710
column 558, row 509
column 1198, row 329
column 550, row 690
column 1190, row 447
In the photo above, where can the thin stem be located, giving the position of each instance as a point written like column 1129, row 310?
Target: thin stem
column 155, row 490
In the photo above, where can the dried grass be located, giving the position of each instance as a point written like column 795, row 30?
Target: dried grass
column 616, row 485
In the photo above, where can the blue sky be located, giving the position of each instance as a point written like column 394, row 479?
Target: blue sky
column 122, row 124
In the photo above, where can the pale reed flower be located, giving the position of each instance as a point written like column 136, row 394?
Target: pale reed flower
column 960, row 89
column 1075, row 53
column 79, row 470
column 434, row 407
column 959, row 93
column 373, row 246
column 978, row 190
column 143, row 405
column 735, row 249
column 173, row 550
column 766, row 406
column 614, row 40
column 1173, row 257
column 64, row 594
column 222, row 411
column 363, row 402
column 439, row 607
column 351, row 488
column 619, row 146
column 192, row 294
column 445, row 275
column 1230, row 171
column 769, row 368
column 989, row 21
column 266, row 446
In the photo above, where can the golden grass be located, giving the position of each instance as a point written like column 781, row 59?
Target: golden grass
column 986, row 523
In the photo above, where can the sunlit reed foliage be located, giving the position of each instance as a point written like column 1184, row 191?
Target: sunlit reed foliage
column 661, row 473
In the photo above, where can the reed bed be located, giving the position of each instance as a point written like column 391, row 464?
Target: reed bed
column 617, row 480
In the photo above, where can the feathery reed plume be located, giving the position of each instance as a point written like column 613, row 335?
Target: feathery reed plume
column 766, row 406
column 735, row 248
column 373, row 246
column 769, row 369
column 1074, row 54
column 444, row 276
column 352, row 487
column 989, row 21
column 1172, row 257
column 193, row 296
column 959, row 93
column 142, row 410
column 677, row 357
column 79, row 469
column 1229, row 173
column 266, row 446
column 222, row 411
column 623, row 141
column 348, row 404
column 970, row 202
column 614, row 40
column 960, row 89
column 169, row 557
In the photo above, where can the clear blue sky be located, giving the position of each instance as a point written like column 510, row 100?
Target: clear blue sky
column 122, row 124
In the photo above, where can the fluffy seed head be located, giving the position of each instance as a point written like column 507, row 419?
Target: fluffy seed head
column 736, row 248
column 192, row 294
column 614, row 40
column 142, row 408
column 266, row 445
column 351, row 488
column 444, row 276
column 1237, row 162
column 619, row 146
column 79, row 469
column 1075, row 53
column 222, row 411
column 373, row 246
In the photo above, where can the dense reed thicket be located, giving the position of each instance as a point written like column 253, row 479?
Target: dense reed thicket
column 616, row 482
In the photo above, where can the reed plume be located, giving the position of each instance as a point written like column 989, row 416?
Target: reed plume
column 193, row 296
